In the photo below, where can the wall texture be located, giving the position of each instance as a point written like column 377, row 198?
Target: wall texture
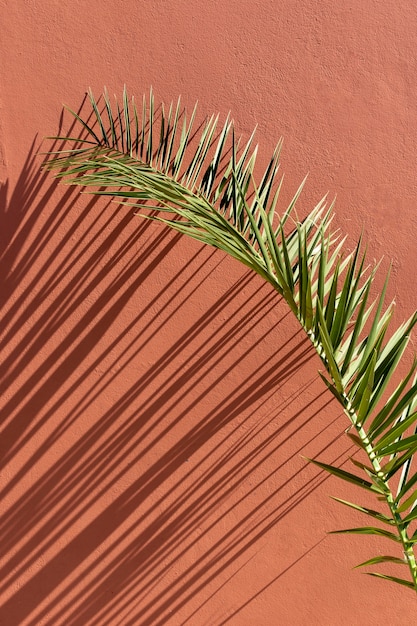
column 155, row 397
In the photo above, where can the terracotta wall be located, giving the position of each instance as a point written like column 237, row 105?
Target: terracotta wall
column 156, row 398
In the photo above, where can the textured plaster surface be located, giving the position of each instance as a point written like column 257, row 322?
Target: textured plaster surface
column 155, row 397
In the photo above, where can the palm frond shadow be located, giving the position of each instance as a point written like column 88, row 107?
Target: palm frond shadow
column 72, row 464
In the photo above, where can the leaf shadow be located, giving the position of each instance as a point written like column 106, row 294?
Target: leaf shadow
column 138, row 495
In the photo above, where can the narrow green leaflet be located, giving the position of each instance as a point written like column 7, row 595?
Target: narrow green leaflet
column 376, row 514
column 327, row 349
column 411, row 516
column 366, row 530
column 336, row 471
column 393, row 579
column 382, row 559
column 408, row 502
column 397, row 402
column 394, row 433
column 365, row 389
column 398, row 446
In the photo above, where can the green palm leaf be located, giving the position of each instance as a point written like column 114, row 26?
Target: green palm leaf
column 382, row 559
column 347, row 476
column 366, row 530
column 394, row 579
column 375, row 514
column 202, row 183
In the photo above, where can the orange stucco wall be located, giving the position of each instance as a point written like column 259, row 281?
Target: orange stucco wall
column 155, row 397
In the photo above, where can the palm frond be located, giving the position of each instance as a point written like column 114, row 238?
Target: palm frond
column 202, row 183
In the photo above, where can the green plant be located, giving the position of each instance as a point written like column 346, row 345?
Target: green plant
column 202, row 184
